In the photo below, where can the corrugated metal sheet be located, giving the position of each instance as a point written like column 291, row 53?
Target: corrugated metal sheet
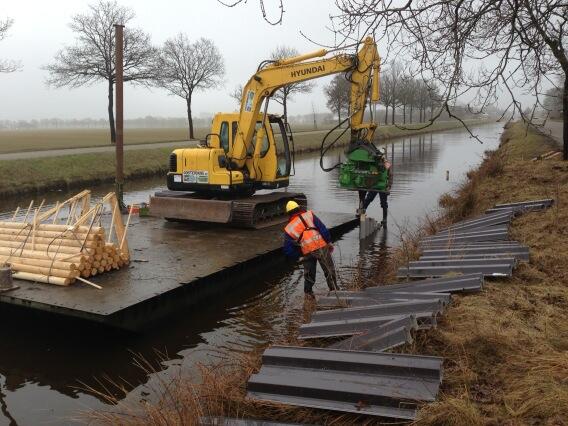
column 357, row 325
column 467, row 231
column 381, row 310
column 522, row 206
column 451, row 245
column 463, row 262
column 500, row 270
column 521, row 256
column 377, row 384
column 465, row 238
column 387, row 336
column 503, row 218
column 517, row 251
column 362, row 298
column 227, row 421
column 453, row 284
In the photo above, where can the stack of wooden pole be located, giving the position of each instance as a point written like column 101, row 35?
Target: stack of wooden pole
column 62, row 253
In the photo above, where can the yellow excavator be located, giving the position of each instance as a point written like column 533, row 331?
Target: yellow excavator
column 253, row 150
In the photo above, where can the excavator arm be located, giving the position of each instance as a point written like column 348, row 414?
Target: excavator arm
column 363, row 69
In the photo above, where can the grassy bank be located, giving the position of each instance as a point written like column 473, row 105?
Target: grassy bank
column 507, row 348
column 19, row 177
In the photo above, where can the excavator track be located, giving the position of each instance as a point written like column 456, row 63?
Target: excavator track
column 257, row 211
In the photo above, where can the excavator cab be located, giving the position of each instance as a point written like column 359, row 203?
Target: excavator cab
column 211, row 167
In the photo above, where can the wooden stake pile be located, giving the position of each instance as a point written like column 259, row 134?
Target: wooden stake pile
column 43, row 250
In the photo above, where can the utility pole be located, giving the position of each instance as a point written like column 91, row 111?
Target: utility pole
column 119, row 105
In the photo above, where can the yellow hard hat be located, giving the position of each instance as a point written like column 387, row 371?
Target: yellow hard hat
column 291, row 205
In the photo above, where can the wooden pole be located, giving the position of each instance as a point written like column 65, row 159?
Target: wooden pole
column 42, row 278
column 119, row 61
column 16, row 213
column 125, row 229
column 28, row 212
column 83, row 280
column 111, row 223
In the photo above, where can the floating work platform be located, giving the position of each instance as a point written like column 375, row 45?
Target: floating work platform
column 174, row 265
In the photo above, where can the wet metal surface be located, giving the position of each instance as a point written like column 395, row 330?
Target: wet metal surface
column 393, row 308
column 455, row 284
column 362, row 298
column 484, row 221
column 387, row 385
column 522, row 206
column 166, row 256
column 499, row 270
column 387, row 336
column 519, row 252
column 359, row 324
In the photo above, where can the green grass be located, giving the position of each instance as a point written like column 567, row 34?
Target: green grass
column 71, row 171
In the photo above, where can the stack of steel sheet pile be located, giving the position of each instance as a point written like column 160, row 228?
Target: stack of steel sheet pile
column 479, row 245
column 355, row 374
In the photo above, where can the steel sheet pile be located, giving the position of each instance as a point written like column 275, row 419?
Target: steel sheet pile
column 354, row 374
column 61, row 244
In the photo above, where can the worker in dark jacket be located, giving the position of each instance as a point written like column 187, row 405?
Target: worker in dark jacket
column 385, row 184
column 306, row 238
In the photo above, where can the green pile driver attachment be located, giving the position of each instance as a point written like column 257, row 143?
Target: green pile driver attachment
column 364, row 168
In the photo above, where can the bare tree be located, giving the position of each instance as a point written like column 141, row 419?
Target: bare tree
column 386, row 94
column 524, row 40
column 285, row 94
column 189, row 67
column 91, row 59
column 391, row 88
column 337, row 93
column 237, row 94
column 7, row 66
column 272, row 20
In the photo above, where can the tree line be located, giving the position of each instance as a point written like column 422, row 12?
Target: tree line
column 404, row 98
column 180, row 66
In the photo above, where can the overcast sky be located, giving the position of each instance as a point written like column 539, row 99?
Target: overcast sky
column 41, row 28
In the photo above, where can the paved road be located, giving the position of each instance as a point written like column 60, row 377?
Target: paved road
column 91, row 150
column 555, row 130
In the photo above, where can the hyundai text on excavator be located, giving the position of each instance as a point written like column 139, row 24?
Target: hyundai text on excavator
column 251, row 150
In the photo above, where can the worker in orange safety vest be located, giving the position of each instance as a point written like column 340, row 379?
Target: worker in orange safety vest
column 306, row 238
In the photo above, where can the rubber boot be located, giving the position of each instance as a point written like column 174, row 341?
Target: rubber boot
column 384, row 221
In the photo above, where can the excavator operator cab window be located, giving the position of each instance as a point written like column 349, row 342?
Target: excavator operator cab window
column 282, row 147
column 265, row 143
column 224, row 136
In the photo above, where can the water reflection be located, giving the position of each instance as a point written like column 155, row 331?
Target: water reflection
column 43, row 361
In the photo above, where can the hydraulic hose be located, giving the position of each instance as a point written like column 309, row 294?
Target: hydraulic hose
column 324, row 148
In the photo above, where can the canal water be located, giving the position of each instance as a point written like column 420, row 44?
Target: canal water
column 46, row 365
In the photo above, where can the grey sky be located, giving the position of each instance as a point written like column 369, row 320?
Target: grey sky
column 244, row 38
